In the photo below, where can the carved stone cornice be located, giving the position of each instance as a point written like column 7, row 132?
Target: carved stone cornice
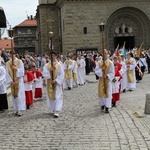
column 60, row 3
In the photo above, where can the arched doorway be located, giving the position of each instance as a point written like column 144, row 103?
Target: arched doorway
column 127, row 24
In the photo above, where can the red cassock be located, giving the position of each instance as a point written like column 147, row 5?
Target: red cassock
column 28, row 88
column 119, row 66
column 38, row 90
column 116, row 96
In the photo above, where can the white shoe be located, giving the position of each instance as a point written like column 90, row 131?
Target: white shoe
column 16, row 112
column 19, row 114
column 56, row 114
column 35, row 99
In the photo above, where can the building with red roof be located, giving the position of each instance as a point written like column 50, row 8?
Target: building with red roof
column 5, row 43
column 25, row 36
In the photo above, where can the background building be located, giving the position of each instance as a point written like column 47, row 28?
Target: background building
column 5, row 43
column 75, row 24
column 25, row 36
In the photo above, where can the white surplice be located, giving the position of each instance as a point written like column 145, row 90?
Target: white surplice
column 3, row 85
column 81, row 71
column 27, row 85
column 115, row 85
column 55, row 105
column 124, row 76
column 107, row 102
column 18, row 102
column 38, row 82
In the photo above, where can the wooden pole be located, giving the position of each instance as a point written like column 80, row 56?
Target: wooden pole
column 103, row 59
column 12, row 55
column 51, row 56
column 103, row 45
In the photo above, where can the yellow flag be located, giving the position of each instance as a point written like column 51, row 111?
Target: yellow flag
column 139, row 51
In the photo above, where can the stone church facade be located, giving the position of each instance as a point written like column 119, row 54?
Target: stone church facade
column 75, row 24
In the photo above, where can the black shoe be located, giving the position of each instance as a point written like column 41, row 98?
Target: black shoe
column 102, row 108
column 113, row 104
column 130, row 90
column 69, row 88
column 2, row 110
column 124, row 91
column 106, row 110
column 28, row 107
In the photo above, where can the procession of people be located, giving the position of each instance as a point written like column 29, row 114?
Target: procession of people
column 27, row 75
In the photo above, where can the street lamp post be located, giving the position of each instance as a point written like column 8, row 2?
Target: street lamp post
column 51, row 47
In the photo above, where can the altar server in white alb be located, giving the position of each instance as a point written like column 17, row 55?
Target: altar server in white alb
column 68, row 67
column 105, row 70
column 54, row 96
column 123, row 73
column 38, row 83
column 16, row 73
column 74, row 73
column 3, row 89
column 80, row 70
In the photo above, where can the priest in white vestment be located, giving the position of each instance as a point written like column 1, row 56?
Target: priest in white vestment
column 131, row 79
column 80, row 70
column 123, row 74
column 3, row 89
column 16, row 73
column 54, row 96
column 105, row 70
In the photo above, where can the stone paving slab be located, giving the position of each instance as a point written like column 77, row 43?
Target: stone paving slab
column 81, row 125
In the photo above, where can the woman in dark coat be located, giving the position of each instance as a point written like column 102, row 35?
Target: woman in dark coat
column 87, row 67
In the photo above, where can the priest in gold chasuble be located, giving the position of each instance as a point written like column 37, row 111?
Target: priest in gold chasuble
column 68, row 67
column 54, row 96
column 105, row 70
column 130, row 65
column 16, row 73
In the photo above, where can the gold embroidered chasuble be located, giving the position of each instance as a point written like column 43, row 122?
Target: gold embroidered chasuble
column 130, row 74
column 74, row 75
column 103, row 83
column 68, row 72
column 51, row 88
column 14, row 88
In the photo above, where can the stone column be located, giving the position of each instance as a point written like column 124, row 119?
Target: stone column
column 147, row 104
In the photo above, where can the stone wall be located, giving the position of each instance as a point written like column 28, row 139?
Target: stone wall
column 77, row 15
column 48, row 20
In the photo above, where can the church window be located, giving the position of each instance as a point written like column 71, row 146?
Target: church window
column 126, row 30
column 85, row 30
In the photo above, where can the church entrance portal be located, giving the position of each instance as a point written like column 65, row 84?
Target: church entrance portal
column 127, row 24
column 129, row 42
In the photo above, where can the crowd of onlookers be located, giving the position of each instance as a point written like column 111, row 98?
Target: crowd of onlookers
column 76, row 67
column 90, row 58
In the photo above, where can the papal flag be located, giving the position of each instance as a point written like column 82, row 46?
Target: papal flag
column 124, row 51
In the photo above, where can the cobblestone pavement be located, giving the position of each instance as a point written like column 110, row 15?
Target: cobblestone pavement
column 81, row 125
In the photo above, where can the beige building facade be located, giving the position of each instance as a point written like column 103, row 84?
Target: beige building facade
column 75, row 24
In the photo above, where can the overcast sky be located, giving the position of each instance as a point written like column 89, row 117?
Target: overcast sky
column 16, row 10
